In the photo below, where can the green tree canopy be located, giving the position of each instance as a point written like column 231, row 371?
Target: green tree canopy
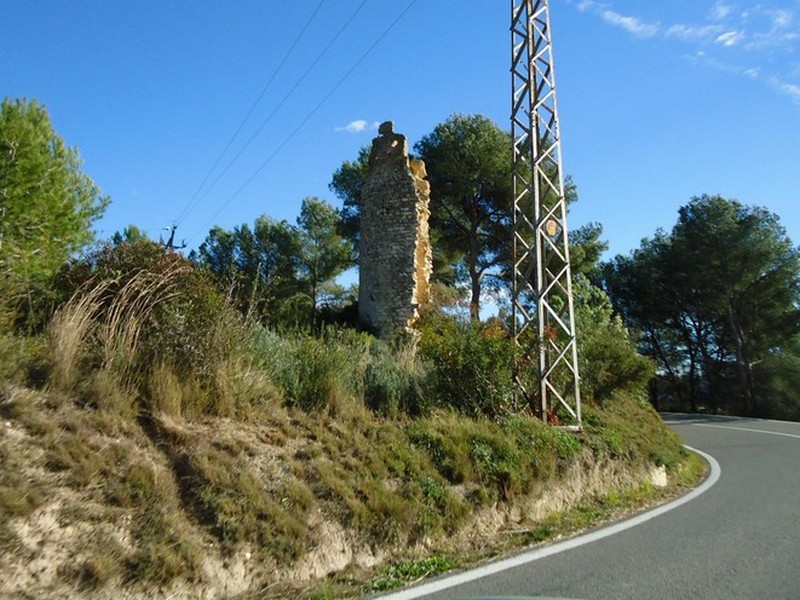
column 468, row 159
column 257, row 266
column 348, row 183
column 607, row 355
column 323, row 253
column 129, row 235
column 718, row 301
column 277, row 272
column 47, row 205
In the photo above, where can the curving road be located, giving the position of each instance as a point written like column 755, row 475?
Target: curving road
column 738, row 537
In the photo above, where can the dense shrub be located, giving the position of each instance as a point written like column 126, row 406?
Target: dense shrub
column 311, row 372
column 341, row 365
column 608, row 360
column 777, row 379
column 173, row 301
column 135, row 313
column 394, row 379
column 470, row 365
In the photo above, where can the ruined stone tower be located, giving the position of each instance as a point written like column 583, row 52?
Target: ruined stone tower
column 395, row 254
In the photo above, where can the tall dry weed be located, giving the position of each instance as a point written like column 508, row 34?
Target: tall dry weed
column 130, row 309
column 165, row 392
column 105, row 322
column 68, row 332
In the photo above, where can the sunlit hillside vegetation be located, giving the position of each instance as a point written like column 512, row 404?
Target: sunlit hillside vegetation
column 178, row 436
column 215, row 427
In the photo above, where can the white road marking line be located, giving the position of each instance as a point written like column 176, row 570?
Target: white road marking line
column 791, row 435
column 534, row 555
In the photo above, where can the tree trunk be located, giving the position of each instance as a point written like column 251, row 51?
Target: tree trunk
column 475, row 299
column 660, row 354
column 475, row 277
column 742, row 361
column 693, row 381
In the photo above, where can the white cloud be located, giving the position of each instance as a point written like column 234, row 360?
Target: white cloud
column 585, row 5
column 774, row 39
column 694, row 33
column 767, row 27
column 725, row 67
column 730, row 38
column 790, row 89
column 781, row 19
column 633, row 25
column 781, row 32
column 741, row 31
column 720, row 10
column 357, row 126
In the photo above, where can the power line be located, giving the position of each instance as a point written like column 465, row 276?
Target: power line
column 252, row 108
column 285, row 98
column 313, row 111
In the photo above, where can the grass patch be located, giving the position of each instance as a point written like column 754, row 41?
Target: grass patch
column 506, row 459
column 643, row 439
column 102, row 459
column 254, row 483
column 599, row 509
column 20, row 495
column 381, row 485
column 104, row 563
column 166, row 555
column 406, row 572
column 223, row 494
column 690, row 472
column 23, row 359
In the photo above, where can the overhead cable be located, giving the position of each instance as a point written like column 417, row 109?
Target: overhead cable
column 283, row 101
column 305, row 120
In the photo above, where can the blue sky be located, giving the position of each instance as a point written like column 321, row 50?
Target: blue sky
column 660, row 100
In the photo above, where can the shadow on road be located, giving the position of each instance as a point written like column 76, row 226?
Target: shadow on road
column 688, row 418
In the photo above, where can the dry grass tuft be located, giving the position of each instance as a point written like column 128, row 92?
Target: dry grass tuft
column 104, row 562
column 104, row 322
column 165, row 392
column 246, row 391
column 68, row 331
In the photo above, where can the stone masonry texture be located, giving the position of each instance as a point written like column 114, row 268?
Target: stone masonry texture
column 395, row 253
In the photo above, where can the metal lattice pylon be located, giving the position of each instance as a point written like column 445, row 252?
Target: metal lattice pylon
column 542, row 287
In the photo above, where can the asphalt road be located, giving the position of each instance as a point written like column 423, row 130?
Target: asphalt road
column 738, row 537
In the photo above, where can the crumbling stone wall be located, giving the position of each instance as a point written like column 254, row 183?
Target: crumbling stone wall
column 395, row 253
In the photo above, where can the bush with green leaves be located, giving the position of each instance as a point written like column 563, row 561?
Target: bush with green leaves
column 394, row 379
column 321, row 372
column 180, row 326
column 135, row 310
column 312, row 372
column 608, row 360
column 470, row 365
